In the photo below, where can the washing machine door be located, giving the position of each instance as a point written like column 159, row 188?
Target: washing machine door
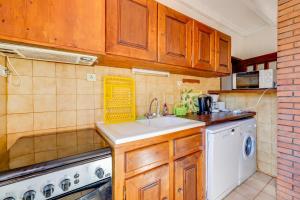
column 248, row 147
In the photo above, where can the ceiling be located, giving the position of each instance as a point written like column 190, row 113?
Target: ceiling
column 244, row 17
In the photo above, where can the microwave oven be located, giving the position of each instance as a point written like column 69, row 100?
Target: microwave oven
column 254, row 80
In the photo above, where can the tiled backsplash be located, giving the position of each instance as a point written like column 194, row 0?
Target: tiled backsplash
column 54, row 96
column 3, row 105
column 266, row 126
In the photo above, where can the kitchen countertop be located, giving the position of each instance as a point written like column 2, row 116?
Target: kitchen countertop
column 142, row 129
column 220, row 117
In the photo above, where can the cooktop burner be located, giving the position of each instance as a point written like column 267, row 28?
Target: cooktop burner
column 29, row 150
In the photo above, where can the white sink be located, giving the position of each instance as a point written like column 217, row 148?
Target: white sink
column 146, row 128
column 165, row 122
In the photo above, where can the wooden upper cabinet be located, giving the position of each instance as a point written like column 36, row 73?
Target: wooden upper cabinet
column 131, row 28
column 78, row 24
column 189, row 177
column 71, row 25
column 152, row 185
column 174, row 37
column 223, row 53
column 203, row 47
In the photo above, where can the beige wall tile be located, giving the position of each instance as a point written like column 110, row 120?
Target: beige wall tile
column 85, row 87
column 82, row 71
column 99, row 113
column 98, row 87
column 66, row 86
column 19, row 104
column 20, row 85
column 66, row 119
column 19, row 123
column 45, row 143
column 22, row 161
column 42, row 68
column 65, row 70
column 98, row 101
column 22, row 66
column 3, row 123
column 67, row 139
column 44, row 85
column 66, row 102
column 45, row 156
column 3, row 86
column 3, row 103
column 85, row 102
column 44, row 120
column 44, row 103
column 85, row 117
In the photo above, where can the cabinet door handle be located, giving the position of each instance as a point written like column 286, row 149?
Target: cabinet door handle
column 179, row 190
column 165, row 198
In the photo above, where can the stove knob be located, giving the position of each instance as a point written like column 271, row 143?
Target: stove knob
column 65, row 184
column 9, row 198
column 48, row 190
column 99, row 173
column 29, row 195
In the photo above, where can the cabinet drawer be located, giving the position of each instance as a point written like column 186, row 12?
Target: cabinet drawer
column 187, row 144
column 146, row 156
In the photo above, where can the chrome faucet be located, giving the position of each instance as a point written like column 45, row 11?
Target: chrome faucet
column 151, row 115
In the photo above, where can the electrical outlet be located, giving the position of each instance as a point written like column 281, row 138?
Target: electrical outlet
column 3, row 71
column 91, row 77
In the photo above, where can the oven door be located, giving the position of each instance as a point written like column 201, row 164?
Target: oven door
column 104, row 192
column 101, row 190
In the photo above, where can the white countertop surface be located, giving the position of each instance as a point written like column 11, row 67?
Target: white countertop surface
column 142, row 129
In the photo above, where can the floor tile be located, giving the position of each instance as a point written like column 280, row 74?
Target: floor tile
column 262, row 177
column 258, row 187
column 265, row 196
column 235, row 196
column 247, row 191
column 255, row 183
column 270, row 189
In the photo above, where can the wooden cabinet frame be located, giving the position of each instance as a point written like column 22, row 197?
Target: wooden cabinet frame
column 120, row 151
column 198, row 46
column 166, row 54
column 145, row 47
column 223, row 67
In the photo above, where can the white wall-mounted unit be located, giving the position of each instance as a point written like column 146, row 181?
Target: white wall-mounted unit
column 21, row 51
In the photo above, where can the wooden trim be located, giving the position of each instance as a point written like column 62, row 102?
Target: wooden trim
column 273, row 90
column 264, row 59
column 185, row 80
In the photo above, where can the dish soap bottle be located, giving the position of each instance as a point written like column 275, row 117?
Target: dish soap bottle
column 165, row 110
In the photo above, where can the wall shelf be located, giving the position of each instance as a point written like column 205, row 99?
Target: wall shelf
column 273, row 90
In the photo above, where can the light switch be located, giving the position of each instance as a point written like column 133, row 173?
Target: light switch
column 91, row 77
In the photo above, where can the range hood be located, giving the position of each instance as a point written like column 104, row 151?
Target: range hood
column 21, row 51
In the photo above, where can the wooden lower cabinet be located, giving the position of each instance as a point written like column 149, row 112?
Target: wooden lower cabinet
column 167, row 167
column 151, row 185
column 188, row 178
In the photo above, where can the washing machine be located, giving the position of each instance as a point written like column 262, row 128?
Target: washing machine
column 247, row 157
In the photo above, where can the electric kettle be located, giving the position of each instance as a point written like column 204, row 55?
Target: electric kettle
column 205, row 104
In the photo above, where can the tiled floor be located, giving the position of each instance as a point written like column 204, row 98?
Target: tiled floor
column 258, row 187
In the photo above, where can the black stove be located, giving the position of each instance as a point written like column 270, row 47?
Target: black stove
column 56, row 165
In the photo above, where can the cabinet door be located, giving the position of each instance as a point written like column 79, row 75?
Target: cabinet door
column 131, row 28
column 152, row 185
column 189, row 177
column 203, row 47
column 223, row 53
column 78, row 24
column 12, row 18
column 72, row 25
column 174, row 37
